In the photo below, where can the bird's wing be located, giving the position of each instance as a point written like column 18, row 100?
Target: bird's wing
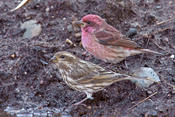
column 94, row 78
column 96, row 75
column 111, row 36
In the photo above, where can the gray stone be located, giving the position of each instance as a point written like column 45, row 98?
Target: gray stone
column 147, row 73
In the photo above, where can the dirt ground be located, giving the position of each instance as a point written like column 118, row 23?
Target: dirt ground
column 30, row 86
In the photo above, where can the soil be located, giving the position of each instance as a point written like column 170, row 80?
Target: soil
column 29, row 85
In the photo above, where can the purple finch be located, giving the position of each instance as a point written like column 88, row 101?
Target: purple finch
column 85, row 76
column 105, row 42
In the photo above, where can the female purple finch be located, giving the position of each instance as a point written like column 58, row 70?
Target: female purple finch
column 85, row 76
column 105, row 42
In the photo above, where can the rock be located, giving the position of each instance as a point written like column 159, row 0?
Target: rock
column 132, row 32
column 172, row 56
column 1, row 3
column 32, row 29
column 82, row 1
column 47, row 9
column 150, row 18
column 69, row 28
column 147, row 73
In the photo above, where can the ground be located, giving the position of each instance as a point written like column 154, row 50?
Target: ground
column 31, row 86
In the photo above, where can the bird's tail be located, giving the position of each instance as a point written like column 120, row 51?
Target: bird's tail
column 150, row 51
column 139, row 81
column 128, row 77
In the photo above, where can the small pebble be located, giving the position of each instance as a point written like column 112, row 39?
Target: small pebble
column 147, row 73
column 51, row 7
column 69, row 28
column 149, row 92
column 172, row 56
column 136, row 25
column 150, row 18
column 13, row 55
column 68, row 41
column 33, row 29
column 158, row 7
column 165, row 39
column 25, row 73
column 1, row 3
column 82, row 1
column 41, row 82
column 132, row 32
column 77, row 35
column 47, row 9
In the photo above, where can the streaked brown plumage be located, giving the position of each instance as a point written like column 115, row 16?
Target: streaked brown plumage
column 84, row 76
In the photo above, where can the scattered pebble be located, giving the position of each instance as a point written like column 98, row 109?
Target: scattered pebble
column 172, row 56
column 47, row 9
column 52, row 7
column 82, row 1
column 77, row 35
column 13, row 56
column 68, row 41
column 149, row 92
column 147, row 73
column 132, row 32
column 165, row 39
column 1, row 3
column 69, row 28
column 151, row 113
column 41, row 82
column 158, row 7
column 136, row 24
column 32, row 29
column 150, row 18
column 25, row 73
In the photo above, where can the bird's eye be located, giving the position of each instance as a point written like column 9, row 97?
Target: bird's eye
column 62, row 56
column 88, row 22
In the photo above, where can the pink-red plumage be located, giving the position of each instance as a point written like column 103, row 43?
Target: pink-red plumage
column 105, row 42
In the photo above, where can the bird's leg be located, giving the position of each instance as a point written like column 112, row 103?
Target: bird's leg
column 80, row 95
column 88, row 96
column 80, row 102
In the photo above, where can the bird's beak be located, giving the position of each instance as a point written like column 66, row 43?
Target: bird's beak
column 79, row 23
column 53, row 59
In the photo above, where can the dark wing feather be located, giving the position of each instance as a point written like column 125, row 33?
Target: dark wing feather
column 111, row 36
column 94, row 74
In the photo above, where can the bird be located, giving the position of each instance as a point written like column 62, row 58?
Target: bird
column 106, row 42
column 85, row 76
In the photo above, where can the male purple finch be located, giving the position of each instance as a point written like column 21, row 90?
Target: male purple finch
column 105, row 42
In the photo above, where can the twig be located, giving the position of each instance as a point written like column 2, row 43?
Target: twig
column 162, row 22
column 159, row 46
column 143, row 100
column 155, row 32
column 20, row 5
column 173, row 86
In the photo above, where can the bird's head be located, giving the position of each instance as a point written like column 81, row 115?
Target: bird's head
column 64, row 59
column 90, row 23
